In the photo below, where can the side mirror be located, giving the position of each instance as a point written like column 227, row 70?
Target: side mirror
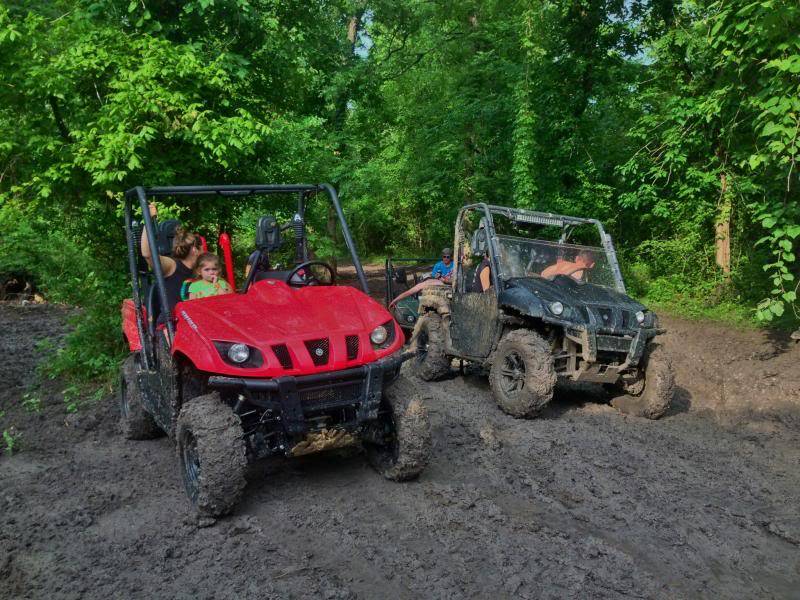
column 268, row 234
column 400, row 275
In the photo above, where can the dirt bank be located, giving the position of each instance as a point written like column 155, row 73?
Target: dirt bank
column 581, row 502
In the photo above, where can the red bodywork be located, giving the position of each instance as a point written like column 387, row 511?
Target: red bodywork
column 273, row 313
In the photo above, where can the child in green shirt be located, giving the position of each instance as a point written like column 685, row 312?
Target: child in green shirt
column 210, row 284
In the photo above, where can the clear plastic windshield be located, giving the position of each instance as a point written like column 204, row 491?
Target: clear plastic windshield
column 522, row 257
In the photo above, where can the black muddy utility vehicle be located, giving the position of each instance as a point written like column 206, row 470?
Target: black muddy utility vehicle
column 556, row 308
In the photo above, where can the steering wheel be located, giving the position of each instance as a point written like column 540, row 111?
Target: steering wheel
column 308, row 278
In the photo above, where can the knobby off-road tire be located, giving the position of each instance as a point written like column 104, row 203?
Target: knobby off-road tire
column 522, row 376
column 406, row 425
column 135, row 422
column 659, row 385
column 211, row 452
column 428, row 342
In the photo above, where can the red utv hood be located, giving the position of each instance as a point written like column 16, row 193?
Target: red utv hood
column 272, row 313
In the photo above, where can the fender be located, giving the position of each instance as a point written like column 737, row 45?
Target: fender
column 522, row 301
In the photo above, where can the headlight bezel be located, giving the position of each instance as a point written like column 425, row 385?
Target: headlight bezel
column 381, row 333
column 391, row 335
column 254, row 359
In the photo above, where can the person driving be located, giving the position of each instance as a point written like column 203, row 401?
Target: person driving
column 440, row 275
column 179, row 267
column 584, row 261
column 444, row 268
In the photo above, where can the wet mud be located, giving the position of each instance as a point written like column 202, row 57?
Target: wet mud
column 581, row 502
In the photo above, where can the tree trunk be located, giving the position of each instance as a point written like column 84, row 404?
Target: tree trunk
column 353, row 26
column 723, row 228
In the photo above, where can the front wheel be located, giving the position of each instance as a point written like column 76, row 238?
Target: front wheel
column 428, row 342
column 134, row 421
column 659, row 384
column 401, row 445
column 212, row 455
column 522, row 376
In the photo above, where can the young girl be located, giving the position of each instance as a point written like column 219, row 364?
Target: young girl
column 210, row 283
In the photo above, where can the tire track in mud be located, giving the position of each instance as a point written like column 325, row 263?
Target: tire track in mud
column 579, row 502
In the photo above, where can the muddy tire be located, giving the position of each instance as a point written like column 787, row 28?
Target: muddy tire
column 659, row 386
column 428, row 343
column 135, row 422
column 407, row 431
column 211, row 453
column 522, row 376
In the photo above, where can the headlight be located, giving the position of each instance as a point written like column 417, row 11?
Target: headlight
column 639, row 317
column 239, row 353
column 556, row 308
column 378, row 335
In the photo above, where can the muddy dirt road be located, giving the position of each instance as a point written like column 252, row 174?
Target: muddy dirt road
column 579, row 503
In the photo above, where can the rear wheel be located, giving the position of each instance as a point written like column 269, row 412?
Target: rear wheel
column 430, row 361
column 653, row 400
column 401, row 445
column 522, row 376
column 134, row 421
column 212, row 455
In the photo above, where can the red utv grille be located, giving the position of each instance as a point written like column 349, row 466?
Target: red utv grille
column 318, row 350
column 351, row 341
column 282, row 354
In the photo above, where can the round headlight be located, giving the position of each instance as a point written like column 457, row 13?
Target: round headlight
column 379, row 335
column 556, row 308
column 239, row 353
column 640, row 317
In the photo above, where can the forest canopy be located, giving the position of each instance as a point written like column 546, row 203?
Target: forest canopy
column 675, row 122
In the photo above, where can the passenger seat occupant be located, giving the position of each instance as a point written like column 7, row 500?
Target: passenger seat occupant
column 577, row 270
column 209, row 282
column 483, row 276
column 178, row 267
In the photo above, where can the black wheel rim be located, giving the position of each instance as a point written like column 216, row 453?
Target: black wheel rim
column 512, row 373
column 191, row 466
column 422, row 345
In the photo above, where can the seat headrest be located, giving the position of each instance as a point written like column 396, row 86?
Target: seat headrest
column 268, row 234
column 478, row 242
column 165, row 235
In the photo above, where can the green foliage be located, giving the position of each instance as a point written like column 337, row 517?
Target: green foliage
column 11, row 436
column 663, row 118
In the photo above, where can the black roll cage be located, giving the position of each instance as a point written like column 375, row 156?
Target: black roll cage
column 143, row 194
column 523, row 216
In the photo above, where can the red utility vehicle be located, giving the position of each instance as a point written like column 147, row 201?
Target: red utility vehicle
column 288, row 365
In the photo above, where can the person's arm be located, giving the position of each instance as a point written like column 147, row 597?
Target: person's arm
column 486, row 278
column 421, row 285
column 436, row 272
column 167, row 264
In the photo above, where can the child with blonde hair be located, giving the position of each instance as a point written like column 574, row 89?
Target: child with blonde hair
column 207, row 268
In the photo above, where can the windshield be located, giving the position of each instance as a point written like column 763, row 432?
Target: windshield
column 522, row 257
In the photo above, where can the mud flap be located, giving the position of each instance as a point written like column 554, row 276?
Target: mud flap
column 371, row 394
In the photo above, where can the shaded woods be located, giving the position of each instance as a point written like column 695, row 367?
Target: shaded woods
column 676, row 123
